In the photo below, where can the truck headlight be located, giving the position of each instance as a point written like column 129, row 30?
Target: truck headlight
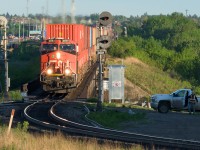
column 154, row 98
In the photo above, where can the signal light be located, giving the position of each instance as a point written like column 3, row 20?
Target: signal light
column 105, row 18
column 104, row 42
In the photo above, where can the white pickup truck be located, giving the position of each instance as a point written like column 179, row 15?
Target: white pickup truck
column 176, row 100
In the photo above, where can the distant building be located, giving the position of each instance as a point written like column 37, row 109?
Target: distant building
column 35, row 34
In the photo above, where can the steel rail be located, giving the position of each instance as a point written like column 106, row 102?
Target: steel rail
column 130, row 137
column 110, row 134
column 58, row 127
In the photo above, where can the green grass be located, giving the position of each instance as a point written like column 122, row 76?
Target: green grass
column 112, row 118
column 14, row 95
column 92, row 100
column 20, row 140
column 153, row 80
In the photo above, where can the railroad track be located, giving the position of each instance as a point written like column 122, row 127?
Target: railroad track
column 43, row 113
column 84, row 89
column 104, row 133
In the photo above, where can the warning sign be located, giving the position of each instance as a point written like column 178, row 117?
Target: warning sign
column 116, row 84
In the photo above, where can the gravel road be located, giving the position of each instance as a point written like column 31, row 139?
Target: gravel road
column 179, row 125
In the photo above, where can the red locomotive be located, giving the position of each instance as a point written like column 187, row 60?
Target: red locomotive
column 66, row 55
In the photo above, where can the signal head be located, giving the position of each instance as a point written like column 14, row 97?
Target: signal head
column 105, row 18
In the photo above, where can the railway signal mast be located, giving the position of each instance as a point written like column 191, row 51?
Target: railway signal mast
column 3, row 46
column 103, row 42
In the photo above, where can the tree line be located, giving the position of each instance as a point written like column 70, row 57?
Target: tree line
column 171, row 42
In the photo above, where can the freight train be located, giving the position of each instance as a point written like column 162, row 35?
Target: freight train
column 66, row 55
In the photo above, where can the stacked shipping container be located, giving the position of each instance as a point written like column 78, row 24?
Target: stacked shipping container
column 84, row 36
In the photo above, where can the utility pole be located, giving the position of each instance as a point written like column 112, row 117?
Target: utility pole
column 186, row 12
column 42, row 23
column 73, row 11
column 19, row 30
column 3, row 25
column 23, row 29
column 28, row 18
column 47, row 11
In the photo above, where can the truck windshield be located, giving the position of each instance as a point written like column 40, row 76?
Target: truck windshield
column 180, row 93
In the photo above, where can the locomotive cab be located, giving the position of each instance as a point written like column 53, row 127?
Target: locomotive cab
column 58, row 44
column 58, row 65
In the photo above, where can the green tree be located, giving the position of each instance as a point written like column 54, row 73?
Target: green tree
column 122, row 48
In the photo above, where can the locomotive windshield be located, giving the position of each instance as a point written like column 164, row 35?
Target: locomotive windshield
column 49, row 48
column 67, row 47
column 70, row 48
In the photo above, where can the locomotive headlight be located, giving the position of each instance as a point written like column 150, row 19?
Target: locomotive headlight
column 49, row 71
column 67, row 71
column 58, row 55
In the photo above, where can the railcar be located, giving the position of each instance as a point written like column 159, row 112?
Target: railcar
column 66, row 55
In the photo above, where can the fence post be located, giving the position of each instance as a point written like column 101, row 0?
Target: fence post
column 11, row 119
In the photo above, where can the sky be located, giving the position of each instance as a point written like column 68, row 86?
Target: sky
column 115, row 7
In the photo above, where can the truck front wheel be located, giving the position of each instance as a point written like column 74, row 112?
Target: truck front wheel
column 163, row 107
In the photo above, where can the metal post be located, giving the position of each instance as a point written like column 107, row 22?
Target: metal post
column 6, row 66
column 100, row 78
column 3, row 22
column 14, row 30
column 23, row 29
column 100, row 98
column 28, row 27
column 11, row 120
column 19, row 31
